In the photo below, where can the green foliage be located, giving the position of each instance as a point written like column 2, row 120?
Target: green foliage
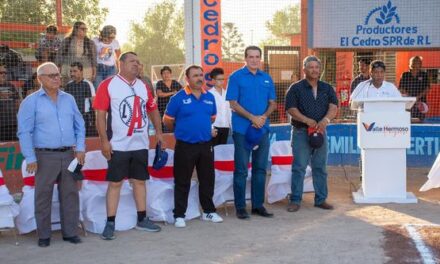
column 283, row 24
column 159, row 37
column 275, row 42
column 86, row 11
column 232, row 43
column 43, row 12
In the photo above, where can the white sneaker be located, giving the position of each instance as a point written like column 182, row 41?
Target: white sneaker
column 213, row 217
column 179, row 222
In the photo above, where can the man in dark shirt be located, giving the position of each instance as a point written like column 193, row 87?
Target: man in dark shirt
column 9, row 102
column 48, row 45
column 312, row 105
column 415, row 83
column 84, row 93
column 363, row 73
column 166, row 88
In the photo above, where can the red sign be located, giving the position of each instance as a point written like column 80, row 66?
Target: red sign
column 211, row 31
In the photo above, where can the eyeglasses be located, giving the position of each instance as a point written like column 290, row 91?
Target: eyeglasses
column 219, row 79
column 3, row 72
column 52, row 75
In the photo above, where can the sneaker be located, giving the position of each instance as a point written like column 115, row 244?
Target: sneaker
column 109, row 231
column 179, row 222
column 147, row 225
column 213, row 217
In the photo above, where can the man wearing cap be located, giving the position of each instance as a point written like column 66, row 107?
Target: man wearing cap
column 191, row 112
column 376, row 86
column 123, row 104
column 415, row 83
column 312, row 105
column 251, row 94
column 51, row 133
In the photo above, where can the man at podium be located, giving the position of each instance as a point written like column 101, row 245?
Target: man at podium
column 376, row 86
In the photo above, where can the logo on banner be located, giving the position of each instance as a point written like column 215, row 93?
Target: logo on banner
column 385, row 14
column 386, row 129
column 382, row 27
column 368, row 127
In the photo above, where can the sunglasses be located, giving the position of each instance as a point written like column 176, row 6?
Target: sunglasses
column 52, row 75
column 83, row 28
column 378, row 65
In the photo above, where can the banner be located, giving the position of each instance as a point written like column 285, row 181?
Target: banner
column 373, row 24
column 342, row 147
column 343, row 150
column 211, row 36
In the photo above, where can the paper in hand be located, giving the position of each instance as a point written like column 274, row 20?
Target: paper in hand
column 75, row 169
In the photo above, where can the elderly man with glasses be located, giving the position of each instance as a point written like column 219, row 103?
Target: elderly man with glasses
column 51, row 134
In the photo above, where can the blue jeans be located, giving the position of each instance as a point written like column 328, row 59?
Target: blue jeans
column 302, row 154
column 259, row 166
column 102, row 73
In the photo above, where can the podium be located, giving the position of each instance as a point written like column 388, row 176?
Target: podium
column 383, row 135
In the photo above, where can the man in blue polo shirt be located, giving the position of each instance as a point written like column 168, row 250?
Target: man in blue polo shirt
column 190, row 112
column 312, row 105
column 251, row 93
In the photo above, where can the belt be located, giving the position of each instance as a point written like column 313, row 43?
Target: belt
column 63, row 149
column 195, row 143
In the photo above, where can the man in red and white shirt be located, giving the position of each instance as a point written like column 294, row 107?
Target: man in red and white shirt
column 123, row 104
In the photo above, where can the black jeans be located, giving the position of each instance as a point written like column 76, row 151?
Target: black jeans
column 186, row 157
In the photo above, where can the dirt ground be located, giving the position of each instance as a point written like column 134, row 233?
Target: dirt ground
column 351, row 233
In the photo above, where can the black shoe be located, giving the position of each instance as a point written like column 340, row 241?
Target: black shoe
column 44, row 242
column 261, row 212
column 73, row 240
column 325, row 206
column 242, row 214
column 293, row 207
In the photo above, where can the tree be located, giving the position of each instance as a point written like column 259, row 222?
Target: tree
column 42, row 12
column 283, row 24
column 159, row 38
column 232, row 43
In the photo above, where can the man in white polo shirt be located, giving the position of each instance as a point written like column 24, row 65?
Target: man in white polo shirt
column 123, row 104
column 376, row 86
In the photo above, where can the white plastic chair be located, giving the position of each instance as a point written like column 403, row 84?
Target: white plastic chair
column 433, row 176
column 279, row 186
column 8, row 209
column 93, row 197
column 160, row 192
column 224, row 175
